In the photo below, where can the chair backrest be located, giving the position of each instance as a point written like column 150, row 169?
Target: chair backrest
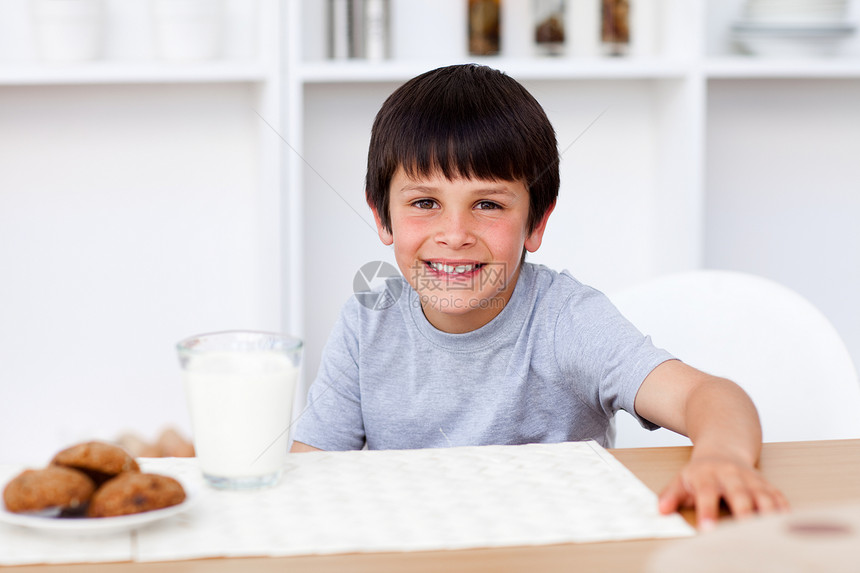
column 765, row 337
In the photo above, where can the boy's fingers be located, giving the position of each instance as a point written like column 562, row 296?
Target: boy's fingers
column 740, row 495
column 743, row 489
column 673, row 496
column 770, row 500
column 740, row 502
column 765, row 502
column 766, row 497
column 781, row 501
column 707, row 505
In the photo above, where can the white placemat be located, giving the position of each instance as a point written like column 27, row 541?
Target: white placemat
column 366, row 501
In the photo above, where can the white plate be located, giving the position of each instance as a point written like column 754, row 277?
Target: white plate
column 98, row 525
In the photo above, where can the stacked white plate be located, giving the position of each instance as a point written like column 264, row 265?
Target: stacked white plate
column 792, row 28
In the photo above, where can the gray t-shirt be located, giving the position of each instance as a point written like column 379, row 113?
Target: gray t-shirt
column 555, row 365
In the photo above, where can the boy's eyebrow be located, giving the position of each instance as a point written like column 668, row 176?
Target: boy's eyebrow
column 496, row 191
column 416, row 187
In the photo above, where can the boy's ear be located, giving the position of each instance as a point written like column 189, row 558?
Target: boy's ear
column 535, row 238
column 385, row 236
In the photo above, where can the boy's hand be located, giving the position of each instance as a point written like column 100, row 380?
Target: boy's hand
column 707, row 479
column 723, row 424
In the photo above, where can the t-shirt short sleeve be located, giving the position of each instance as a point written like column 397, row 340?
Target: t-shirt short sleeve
column 606, row 356
column 332, row 419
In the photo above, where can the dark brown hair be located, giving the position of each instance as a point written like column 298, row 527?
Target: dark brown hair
column 465, row 121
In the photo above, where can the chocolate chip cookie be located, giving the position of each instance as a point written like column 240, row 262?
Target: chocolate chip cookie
column 135, row 492
column 99, row 460
column 54, row 486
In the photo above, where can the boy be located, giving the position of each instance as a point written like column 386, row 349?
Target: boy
column 483, row 348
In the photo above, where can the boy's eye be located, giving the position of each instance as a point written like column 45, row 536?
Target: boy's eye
column 483, row 205
column 424, row 203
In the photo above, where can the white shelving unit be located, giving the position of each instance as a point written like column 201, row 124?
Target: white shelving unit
column 651, row 177
column 135, row 73
column 140, row 202
column 747, row 68
column 524, row 69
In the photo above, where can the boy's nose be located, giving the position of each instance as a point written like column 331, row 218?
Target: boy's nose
column 455, row 230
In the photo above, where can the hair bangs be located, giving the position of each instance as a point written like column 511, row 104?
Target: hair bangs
column 460, row 148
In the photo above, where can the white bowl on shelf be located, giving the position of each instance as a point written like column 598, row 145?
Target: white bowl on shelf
column 796, row 11
column 188, row 30
column 69, row 30
column 791, row 40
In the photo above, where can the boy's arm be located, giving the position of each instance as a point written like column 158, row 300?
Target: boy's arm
column 722, row 422
column 299, row 447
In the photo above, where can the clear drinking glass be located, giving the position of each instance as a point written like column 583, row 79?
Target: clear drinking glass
column 240, row 386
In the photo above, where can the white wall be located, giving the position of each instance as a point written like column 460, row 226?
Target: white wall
column 783, row 196
column 607, row 195
column 340, row 235
column 131, row 216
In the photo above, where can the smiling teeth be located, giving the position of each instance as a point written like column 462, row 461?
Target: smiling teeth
column 449, row 269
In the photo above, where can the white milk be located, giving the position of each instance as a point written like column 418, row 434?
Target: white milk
column 240, row 404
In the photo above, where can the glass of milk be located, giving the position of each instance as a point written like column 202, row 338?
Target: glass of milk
column 240, row 387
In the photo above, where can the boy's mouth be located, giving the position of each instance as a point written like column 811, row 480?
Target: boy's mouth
column 453, row 268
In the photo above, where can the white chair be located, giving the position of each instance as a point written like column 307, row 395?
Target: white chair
column 765, row 337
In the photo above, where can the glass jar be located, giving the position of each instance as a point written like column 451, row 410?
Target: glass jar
column 615, row 27
column 549, row 26
column 484, row 27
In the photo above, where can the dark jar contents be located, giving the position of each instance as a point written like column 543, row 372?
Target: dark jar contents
column 615, row 29
column 549, row 26
column 484, row 27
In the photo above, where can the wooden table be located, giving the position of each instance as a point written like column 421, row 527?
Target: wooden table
column 809, row 473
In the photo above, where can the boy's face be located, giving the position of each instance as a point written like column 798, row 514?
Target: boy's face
column 459, row 244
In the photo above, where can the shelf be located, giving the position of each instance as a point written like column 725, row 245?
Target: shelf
column 394, row 71
column 131, row 73
column 357, row 71
column 765, row 68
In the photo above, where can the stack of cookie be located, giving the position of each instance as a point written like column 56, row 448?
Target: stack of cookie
column 93, row 479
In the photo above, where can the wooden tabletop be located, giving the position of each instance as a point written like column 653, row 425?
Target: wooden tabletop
column 809, row 473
